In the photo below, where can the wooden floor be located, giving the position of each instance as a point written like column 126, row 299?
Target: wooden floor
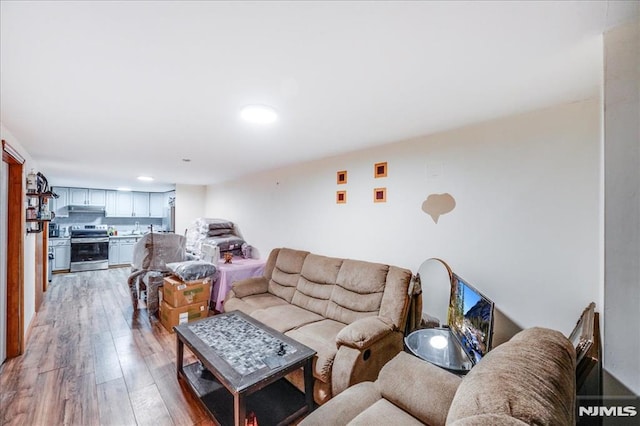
column 92, row 360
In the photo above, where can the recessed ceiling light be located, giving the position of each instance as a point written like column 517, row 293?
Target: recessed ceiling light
column 125, row 189
column 259, row 114
column 145, row 178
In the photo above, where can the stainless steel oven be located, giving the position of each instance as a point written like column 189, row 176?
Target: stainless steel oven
column 89, row 248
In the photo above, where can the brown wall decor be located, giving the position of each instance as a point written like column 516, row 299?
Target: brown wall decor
column 341, row 197
column 380, row 170
column 438, row 204
column 341, row 177
column 379, row 195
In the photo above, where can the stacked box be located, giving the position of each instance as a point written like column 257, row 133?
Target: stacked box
column 171, row 316
column 183, row 301
column 179, row 293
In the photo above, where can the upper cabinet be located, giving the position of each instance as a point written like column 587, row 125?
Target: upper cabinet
column 110, row 203
column 78, row 196
column 157, row 204
column 124, row 204
column 97, row 197
column 117, row 203
column 140, row 204
column 58, row 205
column 94, row 197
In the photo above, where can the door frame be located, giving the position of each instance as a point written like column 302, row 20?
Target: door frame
column 15, row 250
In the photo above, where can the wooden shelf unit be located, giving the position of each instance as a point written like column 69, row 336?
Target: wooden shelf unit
column 40, row 196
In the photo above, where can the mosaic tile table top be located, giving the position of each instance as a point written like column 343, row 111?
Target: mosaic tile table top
column 244, row 346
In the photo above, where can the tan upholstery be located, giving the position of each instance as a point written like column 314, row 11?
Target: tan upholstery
column 286, row 272
column 335, row 307
column 528, row 380
column 544, row 359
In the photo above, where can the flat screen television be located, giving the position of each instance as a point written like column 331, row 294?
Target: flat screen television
column 470, row 319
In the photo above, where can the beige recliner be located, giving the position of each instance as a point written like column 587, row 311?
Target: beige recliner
column 528, row 380
column 352, row 313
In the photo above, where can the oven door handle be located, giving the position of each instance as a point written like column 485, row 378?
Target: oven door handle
column 89, row 240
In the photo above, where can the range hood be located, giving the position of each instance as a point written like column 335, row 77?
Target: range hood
column 85, row 208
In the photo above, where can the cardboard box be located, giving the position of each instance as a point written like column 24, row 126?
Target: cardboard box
column 171, row 316
column 180, row 293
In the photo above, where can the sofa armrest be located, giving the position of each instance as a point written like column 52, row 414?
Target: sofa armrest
column 340, row 411
column 364, row 332
column 250, row 286
column 364, row 347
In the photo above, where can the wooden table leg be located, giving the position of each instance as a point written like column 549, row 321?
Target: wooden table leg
column 308, row 384
column 239, row 409
column 179, row 356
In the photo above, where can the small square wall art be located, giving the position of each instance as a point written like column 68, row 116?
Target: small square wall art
column 341, row 197
column 341, row 177
column 380, row 170
column 379, row 195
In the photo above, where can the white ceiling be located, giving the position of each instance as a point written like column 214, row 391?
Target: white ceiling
column 101, row 92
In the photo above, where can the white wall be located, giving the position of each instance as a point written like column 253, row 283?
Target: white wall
column 30, row 239
column 622, row 204
column 525, row 230
column 190, row 203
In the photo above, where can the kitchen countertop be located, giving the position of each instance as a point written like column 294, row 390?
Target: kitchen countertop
column 127, row 236
column 59, row 238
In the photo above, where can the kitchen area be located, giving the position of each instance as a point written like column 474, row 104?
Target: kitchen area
column 97, row 228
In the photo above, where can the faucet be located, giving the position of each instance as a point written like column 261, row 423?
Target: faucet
column 137, row 227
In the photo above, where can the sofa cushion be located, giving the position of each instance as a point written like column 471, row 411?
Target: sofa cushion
column 263, row 301
column 382, row 412
column 418, row 387
column 286, row 272
column 285, row 317
column 317, row 278
column 358, row 291
column 321, row 337
column 531, row 377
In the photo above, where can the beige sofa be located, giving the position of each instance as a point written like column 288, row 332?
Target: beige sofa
column 528, row 380
column 352, row 313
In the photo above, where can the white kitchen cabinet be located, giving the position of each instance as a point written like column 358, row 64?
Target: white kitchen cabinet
column 85, row 196
column 61, row 253
column 110, row 204
column 126, row 251
column 124, row 204
column 140, row 204
column 97, row 197
column 157, row 204
column 59, row 205
column 121, row 250
column 78, row 196
column 114, row 251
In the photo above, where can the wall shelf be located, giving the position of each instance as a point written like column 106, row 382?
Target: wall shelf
column 42, row 198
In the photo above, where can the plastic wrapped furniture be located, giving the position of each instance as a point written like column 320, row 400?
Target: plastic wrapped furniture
column 151, row 254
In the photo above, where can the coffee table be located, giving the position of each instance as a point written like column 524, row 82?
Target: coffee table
column 241, row 368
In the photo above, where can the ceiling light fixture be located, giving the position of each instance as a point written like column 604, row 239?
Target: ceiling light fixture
column 145, row 178
column 259, row 114
column 124, row 189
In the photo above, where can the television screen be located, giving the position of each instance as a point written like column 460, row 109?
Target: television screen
column 470, row 318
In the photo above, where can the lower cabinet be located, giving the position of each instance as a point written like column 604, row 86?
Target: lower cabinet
column 114, row 252
column 61, row 254
column 126, row 250
column 121, row 250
